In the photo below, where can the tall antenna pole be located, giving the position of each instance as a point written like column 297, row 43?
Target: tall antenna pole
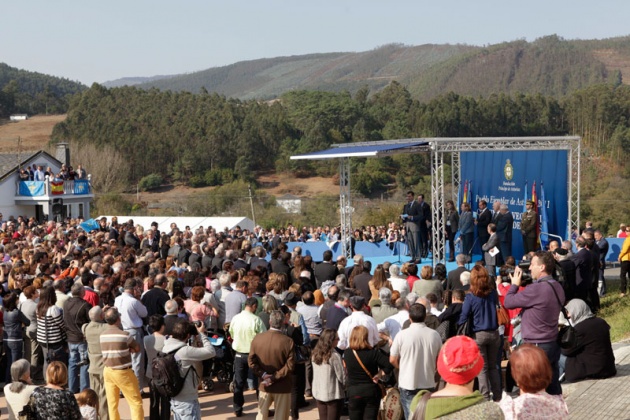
column 251, row 203
column 19, row 144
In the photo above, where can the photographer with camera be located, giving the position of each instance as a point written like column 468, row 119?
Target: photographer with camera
column 185, row 404
column 541, row 302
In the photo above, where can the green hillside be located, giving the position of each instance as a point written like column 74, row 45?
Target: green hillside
column 548, row 66
column 28, row 92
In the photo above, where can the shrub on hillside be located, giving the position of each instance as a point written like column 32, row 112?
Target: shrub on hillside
column 150, row 182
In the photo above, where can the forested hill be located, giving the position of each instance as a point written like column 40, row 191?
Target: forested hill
column 28, row 92
column 549, row 66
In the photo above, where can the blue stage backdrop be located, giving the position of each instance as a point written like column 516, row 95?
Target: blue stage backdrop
column 503, row 175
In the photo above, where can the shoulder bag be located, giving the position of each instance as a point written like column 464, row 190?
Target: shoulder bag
column 373, row 379
column 567, row 337
column 28, row 412
column 467, row 327
column 503, row 318
column 421, row 408
column 57, row 354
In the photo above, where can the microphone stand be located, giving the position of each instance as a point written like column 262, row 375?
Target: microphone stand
column 469, row 255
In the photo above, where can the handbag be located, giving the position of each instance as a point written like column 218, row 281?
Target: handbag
column 380, row 385
column 28, row 412
column 302, row 353
column 444, row 329
column 567, row 336
column 391, row 408
column 467, row 327
column 503, row 318
column 57, row 354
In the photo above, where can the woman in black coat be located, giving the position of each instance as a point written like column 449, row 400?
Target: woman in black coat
column 592, row 356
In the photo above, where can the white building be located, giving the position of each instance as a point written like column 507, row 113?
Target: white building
column 290, row 203
column 37, row 198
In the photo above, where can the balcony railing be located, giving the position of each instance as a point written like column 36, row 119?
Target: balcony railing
column 53, row 187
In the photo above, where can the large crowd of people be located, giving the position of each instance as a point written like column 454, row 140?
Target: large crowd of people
column 85, row 315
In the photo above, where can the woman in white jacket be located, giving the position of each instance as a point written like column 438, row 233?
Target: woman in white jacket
column 329, row 376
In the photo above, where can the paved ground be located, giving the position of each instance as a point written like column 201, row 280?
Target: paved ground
column 606, row 398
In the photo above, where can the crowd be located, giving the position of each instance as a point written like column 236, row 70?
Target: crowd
column 38, row 173
column 86, row 316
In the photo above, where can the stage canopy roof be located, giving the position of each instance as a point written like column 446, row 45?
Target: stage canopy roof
column 367, row 149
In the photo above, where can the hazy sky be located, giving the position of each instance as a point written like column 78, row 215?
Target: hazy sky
column 92, row 41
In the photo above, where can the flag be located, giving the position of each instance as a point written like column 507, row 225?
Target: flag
column 470, row 195
column 89, row 225
column 544, row 227
column 465, row 195
column 535, row 200
column 56, row 187
column 525, row 197
column 81, row 186
column 31, row 188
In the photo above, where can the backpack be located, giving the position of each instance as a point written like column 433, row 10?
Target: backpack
column 167, row 379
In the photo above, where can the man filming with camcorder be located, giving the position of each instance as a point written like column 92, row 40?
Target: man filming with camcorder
column 542, row 301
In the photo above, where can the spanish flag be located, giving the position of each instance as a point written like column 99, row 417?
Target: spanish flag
column 56, row 187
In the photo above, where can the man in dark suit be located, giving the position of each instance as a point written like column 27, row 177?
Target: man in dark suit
column 271, row 358
column 453, row 282
column 603, row 246
column 413, row 218
column 593, row 249
column 425, row 223
column 195, row 256
column 281, row 265
column 583, row 270
column 566, row 272
column 259, row 259
column 240, row 261
column 483, row 220
column 361, row 281
column 325, row 270
column 208, row 255
column 504, row 225
column 489, row 250
column 155, row 298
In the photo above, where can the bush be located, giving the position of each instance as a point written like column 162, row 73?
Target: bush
column 150, row 182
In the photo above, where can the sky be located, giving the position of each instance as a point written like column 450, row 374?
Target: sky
column 91, row 41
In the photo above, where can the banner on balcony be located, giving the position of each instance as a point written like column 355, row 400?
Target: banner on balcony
column 81, row 186
column 31, row 188
column 56, row 187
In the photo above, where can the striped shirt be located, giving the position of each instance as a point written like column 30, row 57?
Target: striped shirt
column 51, row 329
column 115, row 345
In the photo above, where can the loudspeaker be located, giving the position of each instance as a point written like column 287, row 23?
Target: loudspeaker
column 57, row 206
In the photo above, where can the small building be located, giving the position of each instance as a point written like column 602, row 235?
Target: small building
column 44, row 200
column 290, row 203
column 18, row 117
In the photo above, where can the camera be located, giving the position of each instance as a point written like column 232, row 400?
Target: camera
column 526, row 277
column 192, row 328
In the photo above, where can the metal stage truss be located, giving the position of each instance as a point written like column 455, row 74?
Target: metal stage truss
column 438, row 147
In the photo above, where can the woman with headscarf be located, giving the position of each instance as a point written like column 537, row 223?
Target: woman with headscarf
column 18, row 391
column 592, row 356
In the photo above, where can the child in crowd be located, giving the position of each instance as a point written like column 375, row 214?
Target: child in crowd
column 88, row 404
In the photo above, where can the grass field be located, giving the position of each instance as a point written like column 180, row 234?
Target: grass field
column 616, row 311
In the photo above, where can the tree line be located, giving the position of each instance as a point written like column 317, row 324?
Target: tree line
column 209, row 139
